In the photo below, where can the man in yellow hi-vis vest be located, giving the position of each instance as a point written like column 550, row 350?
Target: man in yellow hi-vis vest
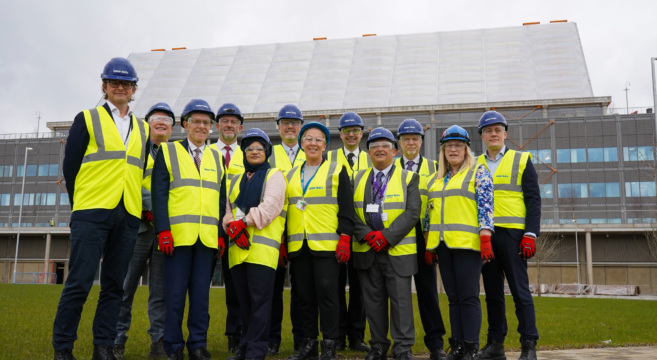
column 189, row 197
column 387, row 203
column 105, row 157
column 160, row 119
column 352, row 318
column 517, row 224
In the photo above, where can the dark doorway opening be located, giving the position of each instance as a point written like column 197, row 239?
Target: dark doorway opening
column 59, row 270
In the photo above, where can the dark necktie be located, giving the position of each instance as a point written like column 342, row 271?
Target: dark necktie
column 409, row 165
column 227, row 156
column 197, row 158
column 350, row 158
column 377, row 197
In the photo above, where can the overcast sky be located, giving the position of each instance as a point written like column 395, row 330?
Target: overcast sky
column 52, row 52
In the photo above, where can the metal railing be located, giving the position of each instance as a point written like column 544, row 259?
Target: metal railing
column 35, row 278
column 42, row 135
column 621, row 110
column 49, row 220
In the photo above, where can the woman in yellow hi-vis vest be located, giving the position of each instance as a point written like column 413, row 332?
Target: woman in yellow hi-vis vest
column 460, row 224
column 255, row 222
column 320, row 223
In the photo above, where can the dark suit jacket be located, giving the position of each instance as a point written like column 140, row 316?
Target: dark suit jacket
column 160, row 193
column 405, row 265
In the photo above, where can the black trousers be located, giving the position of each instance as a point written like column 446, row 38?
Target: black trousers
column 275, row 325
column 460, row 270
column 507, row 262
column 233, row 317
column 426, row 286
column 254, row 285
column 316, row 278
column 352, row 317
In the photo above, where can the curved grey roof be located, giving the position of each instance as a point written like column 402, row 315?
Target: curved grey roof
column 489, row 65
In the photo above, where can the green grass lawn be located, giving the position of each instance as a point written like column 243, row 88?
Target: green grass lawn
column 27, row 313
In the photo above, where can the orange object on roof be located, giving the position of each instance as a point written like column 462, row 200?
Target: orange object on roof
column 532, row 23
column 558, row 21
column 180, row 48
column 319, row 38
column 365, row 35
column 158, row 50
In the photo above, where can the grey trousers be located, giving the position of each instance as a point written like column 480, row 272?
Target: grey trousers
column 145, row 251
column 380, row 282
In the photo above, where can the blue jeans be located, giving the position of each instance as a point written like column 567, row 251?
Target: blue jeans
column 114, row 241
column 145, row 251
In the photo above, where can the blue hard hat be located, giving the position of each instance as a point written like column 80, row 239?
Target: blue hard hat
column 410, row 126
column 350, row 118
column 119, row 69
column 317, row 125
column 255, row 134
column 196, row 105
column 289, row 111
column 381, row 134
column 161, row 107
column 491, row 117
column 230, row 109
column 455, row 132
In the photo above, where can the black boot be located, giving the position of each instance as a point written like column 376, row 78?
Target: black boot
column 233, row 343
column 103, row 353
column 118, row 351
column 528, row 351
column 437, row 354
column 272, row 349
column 377, row 354
column 309, row 350
column 469, row 351
column 64, row 355
column 340, row 343
column 157, row 350
column 493, row 350
column 356, row 343
column 239, row 355
column 406, row 355
column 455, row 349
column 178, row 355
column 328, row 350
column 200, row 353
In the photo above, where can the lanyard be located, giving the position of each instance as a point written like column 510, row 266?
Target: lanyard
column 305, row 187
column 381, row 188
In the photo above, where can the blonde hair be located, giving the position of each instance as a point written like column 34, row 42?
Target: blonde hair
column 443, row 165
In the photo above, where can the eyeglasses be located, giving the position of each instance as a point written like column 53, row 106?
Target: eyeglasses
column 254, row 148
column 294, row 123
column 382, row 146
column 225, row 121
column 200, row 122
column 159, row 118
column 114, row 84
column 310, row 139
column 351, row 131
column 454, row 146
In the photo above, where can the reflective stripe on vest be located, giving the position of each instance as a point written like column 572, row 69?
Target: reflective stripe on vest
column 426, row 170
column 510, row 208
column 148, row 173
column 193, row 195
column 458, row 227
column 109, row 172
column 265, row 243
column 318, row 223
column 280, row 160
column 394, row 205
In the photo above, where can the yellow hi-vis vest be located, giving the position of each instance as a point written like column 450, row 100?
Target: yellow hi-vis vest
column 265, row 243
column 453, row 216
column 148, row 173
column 108, row 171
column 193, row 197
column 510, row 208
column 394, row 204
column 426, row 170
column 280, row 160
column 363, row 162
column 318, row 223
column 236, row 166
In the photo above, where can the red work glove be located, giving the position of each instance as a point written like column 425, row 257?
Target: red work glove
column 235, row 227
column 527, row 247
column 166, row 242
column 242, row 240
column 221, row 247
column 430, row 258
column 376, row 241
column 147, row 215
column 282, row 256
column 342, row 251
column 486, row 248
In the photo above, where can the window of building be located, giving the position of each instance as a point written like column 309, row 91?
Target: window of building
column 611, row 154
column 6, row 170
column 603, row 154
column 547, row 221
column 599, row 190
column 573, row 221
column 571, row 155
column 640, row 220
column 43, row 170
column 577, row 190
column 27, row 200
column 640, row 188
column 5, row 199
column 545, row 156
column 31, row 170
column 638, row 153
column 606, row 221
column 63, row 199
column 546, row 191
column 63, row 224
column 45, row 199
column 54, row 170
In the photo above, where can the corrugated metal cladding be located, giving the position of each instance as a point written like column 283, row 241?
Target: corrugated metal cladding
column 488, row 65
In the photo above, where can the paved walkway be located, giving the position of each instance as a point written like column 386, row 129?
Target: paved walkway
column 619, row 353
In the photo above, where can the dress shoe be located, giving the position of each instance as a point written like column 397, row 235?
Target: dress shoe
column 455, row 350
column 437, row 354
column 356, row 343
column 406, row 355
column 272, row 349
column 493, row 350
column 340, row 344
column 469, row 351
column 377, row 354
column 239, row 355
column 103, row 353
column 178, row 355
column 65, row 354
column 233, row 343
column 200, row 354
column 118, row 351
column 309, row 350
column 328, row 350
column 157, row 350
column 528, row 351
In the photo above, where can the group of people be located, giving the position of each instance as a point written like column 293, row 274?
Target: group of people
column 371, row 217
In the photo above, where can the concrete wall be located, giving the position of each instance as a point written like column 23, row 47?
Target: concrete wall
column 610, row 274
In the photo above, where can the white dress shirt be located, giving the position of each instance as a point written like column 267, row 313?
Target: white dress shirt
column 192, row 150
column 295, row 148
column 222, row 148
column 415, row 166
column 385, row 175
column 122, row 123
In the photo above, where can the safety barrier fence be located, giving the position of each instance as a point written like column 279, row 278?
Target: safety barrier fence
column 35, row 278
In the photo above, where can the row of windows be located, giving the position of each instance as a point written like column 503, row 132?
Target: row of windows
column 48, row 199
column 600, row 190
column 566, row 156
column 30, row 170
column 26, row 224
